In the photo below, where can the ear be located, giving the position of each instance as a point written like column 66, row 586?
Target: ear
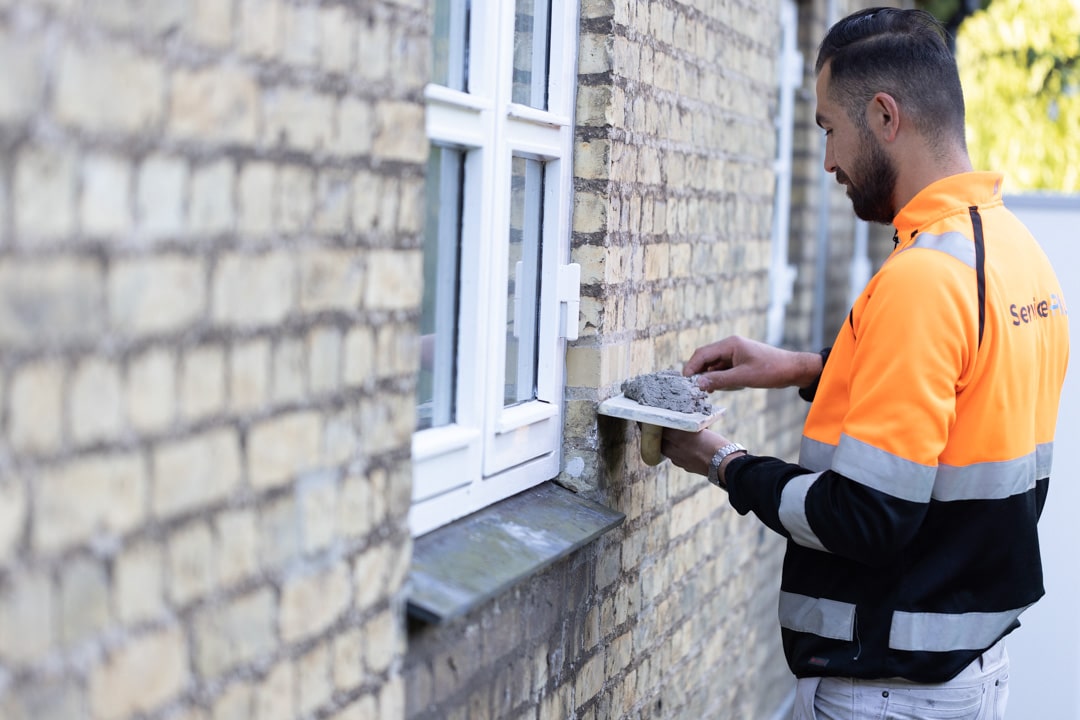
column 883, row 114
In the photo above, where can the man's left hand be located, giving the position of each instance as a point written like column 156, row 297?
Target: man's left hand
column 692, row 451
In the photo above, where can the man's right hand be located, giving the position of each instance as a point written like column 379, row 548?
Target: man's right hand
column 737, row 362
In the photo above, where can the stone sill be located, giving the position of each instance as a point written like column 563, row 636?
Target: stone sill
column 459, row 567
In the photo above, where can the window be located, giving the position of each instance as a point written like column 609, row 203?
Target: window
column 499, row 299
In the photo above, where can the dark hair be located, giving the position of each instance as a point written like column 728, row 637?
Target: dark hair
column 900, row 52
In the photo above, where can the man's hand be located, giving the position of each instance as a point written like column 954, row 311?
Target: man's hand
column 736, row 362
column 692, row 451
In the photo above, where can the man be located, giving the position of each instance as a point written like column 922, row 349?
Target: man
column 925, row 460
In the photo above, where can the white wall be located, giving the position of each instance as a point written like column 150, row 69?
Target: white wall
column 1045, row 651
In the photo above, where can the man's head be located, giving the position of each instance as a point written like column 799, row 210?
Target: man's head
column 881, row 70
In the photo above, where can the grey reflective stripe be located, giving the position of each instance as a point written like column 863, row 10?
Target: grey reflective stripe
column 985, row 481
column 1044, row 459
column 815, row 455
column 817, row 616
column 954, row 244
column 792, row 511
column 883, row 471
column 942, row 632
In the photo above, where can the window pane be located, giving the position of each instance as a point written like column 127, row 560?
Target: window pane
column 438, row 319
column 523, row 295
column 450, row 44
column 532, row 22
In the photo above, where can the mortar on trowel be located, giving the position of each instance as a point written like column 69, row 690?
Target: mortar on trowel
column 661, row 400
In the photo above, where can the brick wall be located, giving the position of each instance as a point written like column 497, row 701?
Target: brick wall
column 209, row 239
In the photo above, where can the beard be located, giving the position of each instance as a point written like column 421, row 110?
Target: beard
column 872, row 197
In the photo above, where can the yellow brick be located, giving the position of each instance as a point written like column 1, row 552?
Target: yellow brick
column 355, row 125
column 256, row 198
column 158, row 295
column 139, row 583
column 249, row 375
column 105, row 208
column 381, row 645
column 311, row 603
column 330, row 280
column 202, row 382
column 237, row 546
column 348, row 659
column 23, row 86
column 338, row 43
column 399, row 133
column 235, row 633
column 391, row 280
column 313, row 686
column 317, row 499
column 75, row 501
column 217, row 103
column 236, row 703
column 253, row 290
column 212, row 22
column 95, row 402
column 36, row 408
column 140, row 676
column 150, row 392
column 589, row 678
column 107, row 88
column 282, row 448
column 44, row 190
column 27, row 630
column 298, row 119
column 275, row 696
column 84, row 600
column 159, row 200
column 295, row 198
column 211, row 210
column 191, row 563
column 289, row 374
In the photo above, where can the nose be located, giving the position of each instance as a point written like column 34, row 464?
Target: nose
column 830, row 161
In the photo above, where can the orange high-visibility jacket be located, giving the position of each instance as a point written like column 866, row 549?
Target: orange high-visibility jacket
column 925, row 460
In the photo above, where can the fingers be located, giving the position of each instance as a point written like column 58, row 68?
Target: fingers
column 722, row 380
column 711, row 357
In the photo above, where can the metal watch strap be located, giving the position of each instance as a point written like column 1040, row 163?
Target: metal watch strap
column 714, row 464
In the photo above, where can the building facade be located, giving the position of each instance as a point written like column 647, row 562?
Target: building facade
column 218, row 220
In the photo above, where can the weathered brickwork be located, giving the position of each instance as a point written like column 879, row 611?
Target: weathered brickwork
column 209, row 224
column 210, row 220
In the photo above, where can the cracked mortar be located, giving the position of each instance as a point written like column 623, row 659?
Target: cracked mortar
column 669, row 390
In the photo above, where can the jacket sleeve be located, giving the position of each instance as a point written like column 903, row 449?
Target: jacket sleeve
column 824, row 511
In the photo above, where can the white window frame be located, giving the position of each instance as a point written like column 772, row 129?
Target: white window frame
column 490, row 452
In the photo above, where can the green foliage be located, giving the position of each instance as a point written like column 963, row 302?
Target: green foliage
column 1020, row 65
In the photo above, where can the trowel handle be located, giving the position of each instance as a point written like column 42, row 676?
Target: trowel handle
column 650, row 443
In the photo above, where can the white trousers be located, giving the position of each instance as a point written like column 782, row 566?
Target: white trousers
column 979, row 692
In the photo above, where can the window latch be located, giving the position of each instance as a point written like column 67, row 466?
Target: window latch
column 569, row 300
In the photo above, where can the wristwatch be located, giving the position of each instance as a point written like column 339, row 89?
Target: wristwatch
column 714, row 464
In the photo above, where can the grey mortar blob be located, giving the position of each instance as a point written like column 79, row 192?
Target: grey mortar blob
column 669, row 390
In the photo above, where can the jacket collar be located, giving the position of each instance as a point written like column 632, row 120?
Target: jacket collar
column 953, row 194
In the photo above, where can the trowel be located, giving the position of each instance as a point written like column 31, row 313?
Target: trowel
column 653, row 421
